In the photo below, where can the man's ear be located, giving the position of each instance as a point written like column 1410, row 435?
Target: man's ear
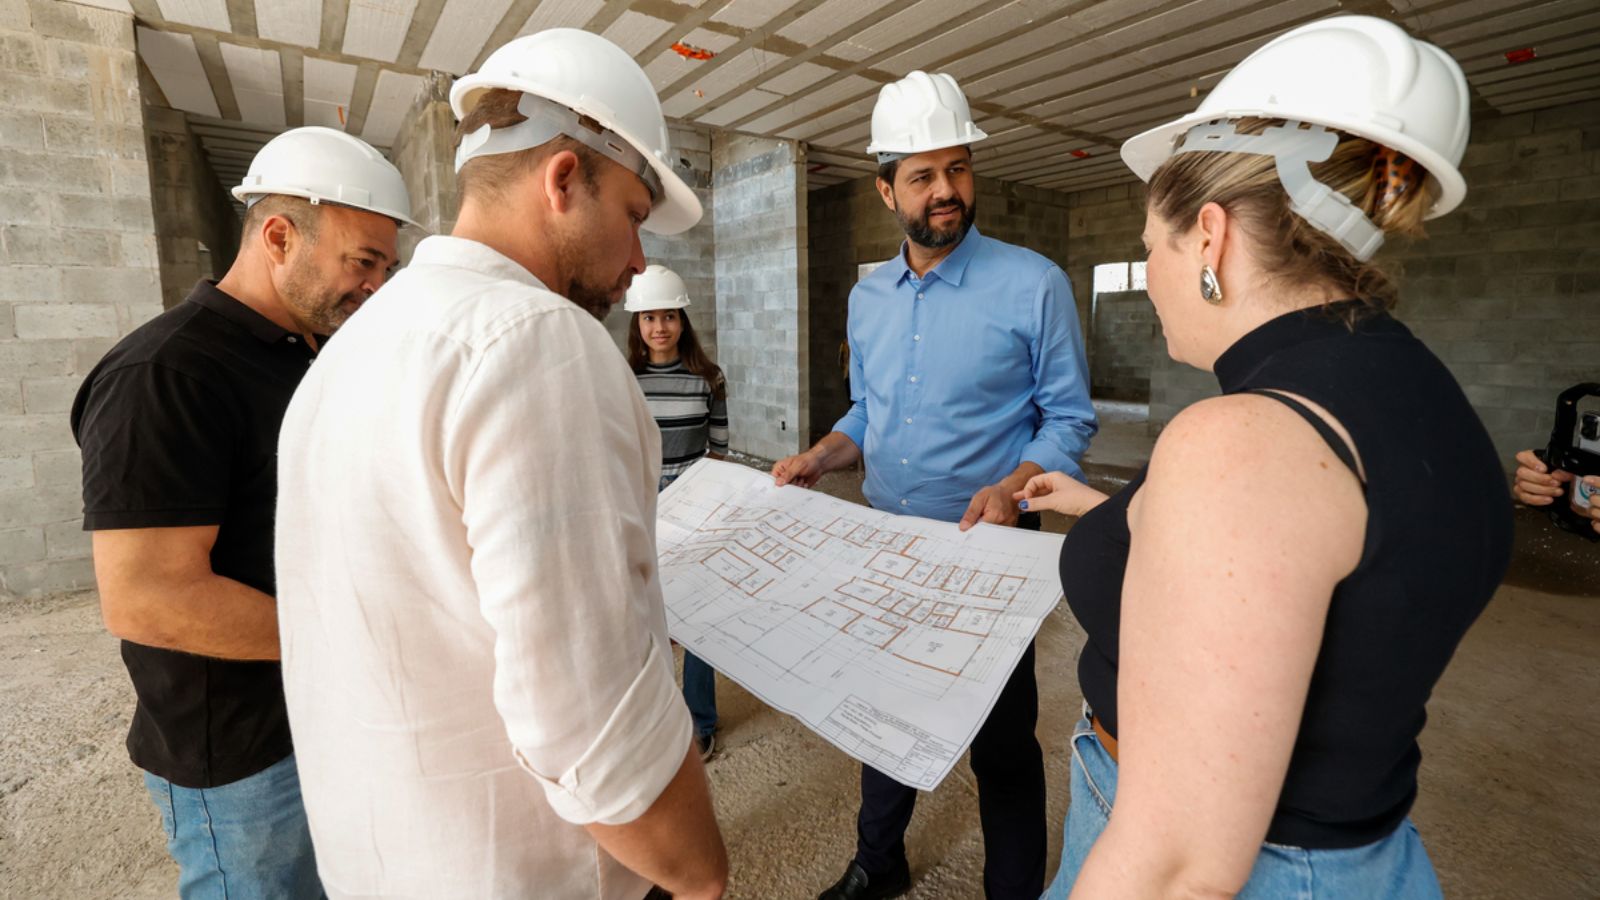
column 278, row 236
column 886, row 191
column 562, row 173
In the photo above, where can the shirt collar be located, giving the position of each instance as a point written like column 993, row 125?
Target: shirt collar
column 463, row 253
column 952, row 269
column 1240, row 362
column 207, row 294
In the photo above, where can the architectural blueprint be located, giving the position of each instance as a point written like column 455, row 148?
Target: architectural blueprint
column 890, row 636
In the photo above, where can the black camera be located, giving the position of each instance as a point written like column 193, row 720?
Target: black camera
column 1575, row 447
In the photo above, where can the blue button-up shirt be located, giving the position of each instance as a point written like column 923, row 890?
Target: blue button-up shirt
column 958, row 377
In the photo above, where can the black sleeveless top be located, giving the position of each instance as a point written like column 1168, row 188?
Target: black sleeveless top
column 1438, row 541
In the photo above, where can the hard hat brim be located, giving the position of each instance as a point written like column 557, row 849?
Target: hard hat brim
column 1145, row 152
column 978, row 135
column 243, row 195
column 652, row 306
column 676, row 211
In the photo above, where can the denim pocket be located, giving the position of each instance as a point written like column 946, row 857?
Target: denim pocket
column 1082, row 734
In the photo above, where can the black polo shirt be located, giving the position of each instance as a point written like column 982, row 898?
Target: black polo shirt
column 179, row 426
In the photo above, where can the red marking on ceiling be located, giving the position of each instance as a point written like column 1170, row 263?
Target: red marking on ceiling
column 1526, row 54
column 691, row 52
column 1081, row 154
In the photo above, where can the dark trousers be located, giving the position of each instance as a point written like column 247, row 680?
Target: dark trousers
column 1009, row 767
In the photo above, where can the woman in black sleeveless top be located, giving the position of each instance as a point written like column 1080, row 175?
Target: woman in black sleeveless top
column 1270, row 602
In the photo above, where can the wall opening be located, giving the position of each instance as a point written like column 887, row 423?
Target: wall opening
column 1112, row 278
column 1124, row 335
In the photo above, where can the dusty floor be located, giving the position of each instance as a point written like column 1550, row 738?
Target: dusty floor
column 1509, row 806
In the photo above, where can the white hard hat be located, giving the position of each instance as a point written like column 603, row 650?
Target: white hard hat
column 583, row 73
column 327, row 166
column 657, row 287
column 1357, row 74
column 918, row 113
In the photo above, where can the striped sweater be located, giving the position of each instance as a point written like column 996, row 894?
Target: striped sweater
column 690, row 419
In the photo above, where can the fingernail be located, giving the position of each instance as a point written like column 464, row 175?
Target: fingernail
column 1022, row 505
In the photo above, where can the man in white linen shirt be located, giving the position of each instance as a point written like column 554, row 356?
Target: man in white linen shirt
column 475, row 653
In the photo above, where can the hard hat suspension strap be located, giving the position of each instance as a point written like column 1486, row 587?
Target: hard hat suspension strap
column 547, row 120
column 1293, row 147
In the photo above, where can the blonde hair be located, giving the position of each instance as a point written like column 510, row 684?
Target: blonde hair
column 490, row 177
column 1288, row 247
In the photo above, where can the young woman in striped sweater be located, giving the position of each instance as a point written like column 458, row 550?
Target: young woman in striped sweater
column 687, row 396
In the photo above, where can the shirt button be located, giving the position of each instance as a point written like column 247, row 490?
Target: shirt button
column 293, row 339
column 916, row 337
column 905, row 462
column 908, row 420
column 913, row 379
column 905, row 502
column 919, row 295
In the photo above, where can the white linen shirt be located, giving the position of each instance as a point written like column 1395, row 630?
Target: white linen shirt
column 475, row 651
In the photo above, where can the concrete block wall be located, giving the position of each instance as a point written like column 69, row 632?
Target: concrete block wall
column 189, row 205
column 1124, row 345
column 1506, row 289
column 760, row 228
column 850, row 225
column 1104, row 225
column 78, row 265
column 1105, row 228
column 424, row 152
column 1028, row 216
column 1174, row 386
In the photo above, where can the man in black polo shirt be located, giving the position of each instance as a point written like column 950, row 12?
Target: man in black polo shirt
column 179, row 429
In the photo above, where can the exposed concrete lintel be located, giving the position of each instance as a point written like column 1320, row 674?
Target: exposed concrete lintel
column 293, row 64
column 361, row 97
column 210, row 50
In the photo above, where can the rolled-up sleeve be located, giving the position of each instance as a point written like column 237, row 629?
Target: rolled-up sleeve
column 1061, row 380
column 554, row 477
column 853, row 424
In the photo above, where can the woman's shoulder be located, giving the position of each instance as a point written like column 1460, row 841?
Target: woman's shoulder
column 1249, row 470
column 1243, row 437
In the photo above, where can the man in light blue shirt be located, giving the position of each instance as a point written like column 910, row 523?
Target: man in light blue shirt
column 967, row 378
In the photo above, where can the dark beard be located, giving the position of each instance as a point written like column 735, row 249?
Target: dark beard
column 319, row 309
column 923, row 235
column 597, row 301
column 582, row 288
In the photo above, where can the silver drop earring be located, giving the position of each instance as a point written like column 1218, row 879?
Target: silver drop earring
column 1210, row 287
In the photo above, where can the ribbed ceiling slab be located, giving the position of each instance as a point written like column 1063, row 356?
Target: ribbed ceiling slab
column 1059, row 83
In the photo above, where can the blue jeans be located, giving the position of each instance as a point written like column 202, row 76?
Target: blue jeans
column 243, row 841
column 1395, row 867
column 700, row 693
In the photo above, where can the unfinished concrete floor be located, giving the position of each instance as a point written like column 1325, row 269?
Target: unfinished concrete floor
column 1509, row 806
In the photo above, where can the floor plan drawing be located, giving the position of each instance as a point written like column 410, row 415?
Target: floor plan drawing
column 890, row 636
